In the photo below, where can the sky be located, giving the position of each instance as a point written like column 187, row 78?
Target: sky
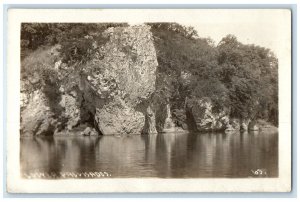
column 250, row 27
column 261, row 27
column 264, row 27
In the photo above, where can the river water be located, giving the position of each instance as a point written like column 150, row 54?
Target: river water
column 168, row 155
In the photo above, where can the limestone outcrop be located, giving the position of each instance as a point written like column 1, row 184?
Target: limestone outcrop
column 121, row 79
column 203, row 117
column 37, row 117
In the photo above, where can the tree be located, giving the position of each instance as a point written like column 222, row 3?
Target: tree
column 179, row 49
column 250, row 73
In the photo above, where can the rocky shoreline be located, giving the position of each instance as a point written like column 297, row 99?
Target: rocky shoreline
column 114, row 94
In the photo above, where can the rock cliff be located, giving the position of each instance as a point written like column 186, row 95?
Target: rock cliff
column 111, row 91
column 121, row 80
column 37, row 117
column 120, row 89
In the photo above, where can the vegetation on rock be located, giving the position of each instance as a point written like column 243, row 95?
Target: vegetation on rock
column 237, row 81
column 243, row 78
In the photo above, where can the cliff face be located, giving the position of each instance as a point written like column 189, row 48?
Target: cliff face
column 110, row 92
column 37, row 118
column 121, row 80
column 121, row 89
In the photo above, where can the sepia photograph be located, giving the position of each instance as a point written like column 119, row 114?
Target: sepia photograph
column 175, row 96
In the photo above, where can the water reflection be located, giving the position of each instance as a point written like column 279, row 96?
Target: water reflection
column 165, row 155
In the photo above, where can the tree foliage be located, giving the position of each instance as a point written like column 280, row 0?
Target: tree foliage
column 76, row 39
column 250, row 73
column 241, row 77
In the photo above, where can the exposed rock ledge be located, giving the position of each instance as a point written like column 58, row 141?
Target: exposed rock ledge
column 200, row 117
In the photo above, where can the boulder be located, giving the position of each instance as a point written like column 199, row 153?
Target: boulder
column 116, row 83
column 253, row 126
column 88, row 131
column 201, row 109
